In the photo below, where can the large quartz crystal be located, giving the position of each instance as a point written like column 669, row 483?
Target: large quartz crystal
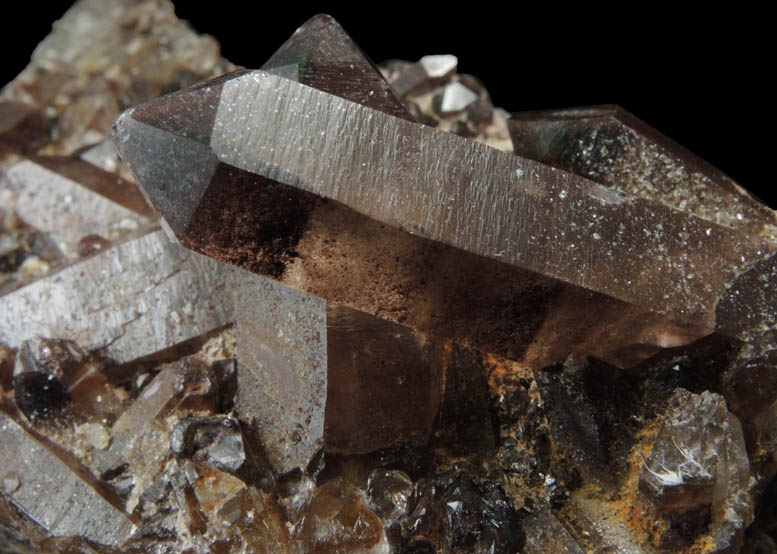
column 346, row 219
column 325, row 306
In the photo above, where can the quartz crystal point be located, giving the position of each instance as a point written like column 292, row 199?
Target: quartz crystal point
column 320, row 54
column 365, row 209
column 59, row 496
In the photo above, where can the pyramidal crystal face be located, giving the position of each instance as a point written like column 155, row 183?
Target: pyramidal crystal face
column 340, row 200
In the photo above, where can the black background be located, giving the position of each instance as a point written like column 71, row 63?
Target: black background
column 701, row 78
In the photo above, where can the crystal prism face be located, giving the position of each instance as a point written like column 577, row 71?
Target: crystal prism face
column 108, row 301
column 117, row 288
column 70, row 199
column 318, row 375
column 384, row 385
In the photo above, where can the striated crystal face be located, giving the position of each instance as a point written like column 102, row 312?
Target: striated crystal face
column 326, row 306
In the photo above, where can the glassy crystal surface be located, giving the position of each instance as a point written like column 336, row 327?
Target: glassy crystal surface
column 315, row 374
column 46, row 367
column 70, row 199
column 609, row 145
column 320, row 54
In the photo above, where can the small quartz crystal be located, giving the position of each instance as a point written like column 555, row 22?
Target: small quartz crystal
column 698, row 466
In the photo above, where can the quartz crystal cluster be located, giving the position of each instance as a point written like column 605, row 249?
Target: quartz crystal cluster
column 326, row 306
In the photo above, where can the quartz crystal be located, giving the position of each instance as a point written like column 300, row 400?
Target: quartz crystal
column 70, row 199
column 272, row 152
column 326, row 306
column 609, row 145
column 697, row 471
column 54, row 494
column 316, row 374
column 111, row 301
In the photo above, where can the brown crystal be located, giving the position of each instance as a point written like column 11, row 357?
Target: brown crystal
column 332, row 249
column 65, row 362
column 337, row 520
column 320, row 54
column 383, row 384
column 699, row 463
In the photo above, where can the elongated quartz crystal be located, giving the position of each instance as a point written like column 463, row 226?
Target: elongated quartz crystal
column 391, row 217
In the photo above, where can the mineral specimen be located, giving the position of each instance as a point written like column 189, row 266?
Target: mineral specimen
column 422, row 348
column 105, row 55
column 698, row 473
